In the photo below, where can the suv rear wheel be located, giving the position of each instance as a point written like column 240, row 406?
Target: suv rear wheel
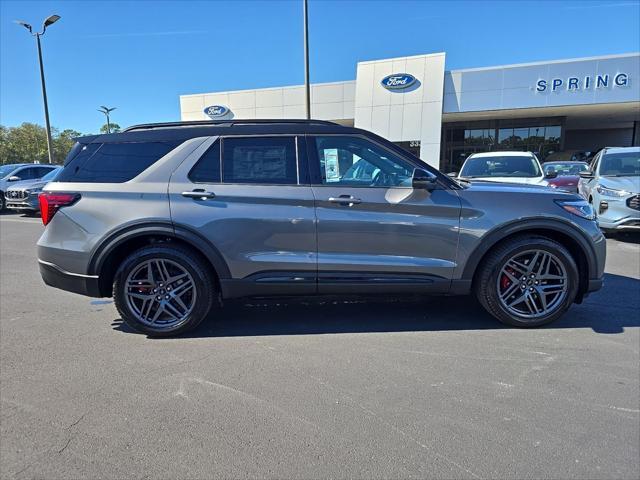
column 163, row 290
column 527, row 281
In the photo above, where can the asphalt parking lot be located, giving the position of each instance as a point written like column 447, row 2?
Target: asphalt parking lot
column 376, row 389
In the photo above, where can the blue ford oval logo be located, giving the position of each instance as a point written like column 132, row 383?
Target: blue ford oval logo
column 215, row 111
column 398, row 81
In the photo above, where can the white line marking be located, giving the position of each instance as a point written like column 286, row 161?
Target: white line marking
column 20, row 220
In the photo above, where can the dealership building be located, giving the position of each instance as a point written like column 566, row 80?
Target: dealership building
column 443, row 116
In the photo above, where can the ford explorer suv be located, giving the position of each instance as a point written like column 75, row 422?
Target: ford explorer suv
column 612, row 187
column 173, row 219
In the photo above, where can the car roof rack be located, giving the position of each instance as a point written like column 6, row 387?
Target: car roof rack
column 205, row 123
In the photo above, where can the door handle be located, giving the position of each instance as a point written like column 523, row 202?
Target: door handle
column 345, row 200
column 199, row 194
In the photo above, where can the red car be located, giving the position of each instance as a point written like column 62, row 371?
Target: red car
column 566, row 176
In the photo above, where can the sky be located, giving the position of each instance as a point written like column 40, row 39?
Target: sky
column 140, row 56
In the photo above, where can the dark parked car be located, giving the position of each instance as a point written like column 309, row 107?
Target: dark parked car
column 16, row 172
column 23, row 196
column 173, row 218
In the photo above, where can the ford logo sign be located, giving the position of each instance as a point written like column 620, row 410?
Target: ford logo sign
column 216, row 111
column 398, row 81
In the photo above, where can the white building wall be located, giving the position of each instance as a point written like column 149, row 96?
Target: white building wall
column 329, row 101
column 514, row 86
column 412, row 114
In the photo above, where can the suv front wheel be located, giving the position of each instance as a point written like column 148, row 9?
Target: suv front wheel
column 527, row 281
column 163, row 290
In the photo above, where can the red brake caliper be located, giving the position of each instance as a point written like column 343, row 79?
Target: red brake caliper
column 505, row 281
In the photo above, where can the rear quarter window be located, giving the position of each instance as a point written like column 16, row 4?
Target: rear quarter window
column 113, row 162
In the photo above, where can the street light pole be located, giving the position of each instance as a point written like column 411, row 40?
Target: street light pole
column 307, row 89
column 46, row 105
column 48, row 21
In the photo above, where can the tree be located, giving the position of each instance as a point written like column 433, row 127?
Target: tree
column 115, row 128
column 28, row 143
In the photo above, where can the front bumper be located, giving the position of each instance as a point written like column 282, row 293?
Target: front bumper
column 56, row 277
column 617, row 215
column 29, row 203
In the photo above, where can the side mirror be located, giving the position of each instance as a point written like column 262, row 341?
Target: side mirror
column 422, row 179
column 551, row 174
column 14, row 178
column 588, row 174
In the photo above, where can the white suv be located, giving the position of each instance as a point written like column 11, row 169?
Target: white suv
column 504, row 167
column 612, row 186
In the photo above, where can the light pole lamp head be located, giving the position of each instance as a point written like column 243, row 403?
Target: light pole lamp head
column 24, row 24
column 50, row 21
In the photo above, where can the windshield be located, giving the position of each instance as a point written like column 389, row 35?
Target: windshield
column 620, row 164
column 565, row 168
column 6, row 170
column 51, row 175
column 501, row 166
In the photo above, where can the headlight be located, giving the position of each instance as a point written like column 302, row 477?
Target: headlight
column 31, row 191
column 581, row 208
column 610, row 192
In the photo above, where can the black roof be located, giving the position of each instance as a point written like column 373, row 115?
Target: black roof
column 180, row 131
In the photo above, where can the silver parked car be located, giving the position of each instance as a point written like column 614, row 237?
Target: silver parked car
column 16, row 172
column 171, row 218
column 612, row 186
column 23, row 196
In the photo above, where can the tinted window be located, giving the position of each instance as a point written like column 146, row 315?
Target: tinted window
column 51, row 175
column 620, row 164
column 266, row 160
column 114, row 162
column 6, row 170
column 42, row 171
column 207, row 170
column 355, row 161
column 27, row 173
column 500, row 166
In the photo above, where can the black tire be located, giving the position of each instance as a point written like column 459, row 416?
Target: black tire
column 486, row 281
column 2, row 202
column 189, row 261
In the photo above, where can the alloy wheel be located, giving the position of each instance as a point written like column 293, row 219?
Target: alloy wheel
column 160, row 293
column 532, row 284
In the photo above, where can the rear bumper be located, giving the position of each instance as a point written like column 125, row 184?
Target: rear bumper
column 56, row 277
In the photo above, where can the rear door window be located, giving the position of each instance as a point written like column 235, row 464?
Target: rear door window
column 114, row 162
column 260, row 160
column 207, row 170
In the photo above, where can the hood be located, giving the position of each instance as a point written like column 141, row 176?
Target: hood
column 484, row 186
column 511, row 188
column 629, row 184
column 24, row 184
column 517, row 180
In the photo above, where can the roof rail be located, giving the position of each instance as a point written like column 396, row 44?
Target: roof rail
column 204, row 123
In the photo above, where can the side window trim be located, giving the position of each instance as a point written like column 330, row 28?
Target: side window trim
column 287, row 135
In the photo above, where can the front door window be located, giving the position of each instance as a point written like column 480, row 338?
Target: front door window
column 355, row 161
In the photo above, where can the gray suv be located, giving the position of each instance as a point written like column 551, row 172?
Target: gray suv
column 172, row 219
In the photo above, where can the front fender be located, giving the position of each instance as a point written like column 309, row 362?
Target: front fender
column 590, row 243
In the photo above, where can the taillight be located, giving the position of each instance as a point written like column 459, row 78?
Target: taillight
column 51, row 202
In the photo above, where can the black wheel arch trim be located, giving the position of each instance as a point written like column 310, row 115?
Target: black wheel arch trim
column 157, row 227
column 522, row 225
